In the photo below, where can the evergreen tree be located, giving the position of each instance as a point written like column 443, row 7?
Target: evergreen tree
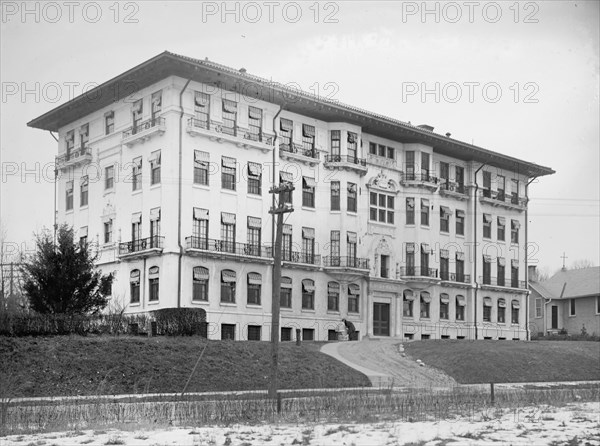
column 62, row 278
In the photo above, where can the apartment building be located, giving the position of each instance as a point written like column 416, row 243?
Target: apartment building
column 166, row 170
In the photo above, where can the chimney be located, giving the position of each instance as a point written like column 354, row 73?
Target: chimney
column 532, row 273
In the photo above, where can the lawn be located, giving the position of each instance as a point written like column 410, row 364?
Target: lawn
column 471, row 362
column 73, row 365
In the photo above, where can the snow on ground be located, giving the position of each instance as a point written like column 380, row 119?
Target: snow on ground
column 574, row 424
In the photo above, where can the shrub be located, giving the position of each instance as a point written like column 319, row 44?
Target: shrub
column 180, row 321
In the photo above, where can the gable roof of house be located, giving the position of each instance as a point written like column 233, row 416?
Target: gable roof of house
column 579, row 283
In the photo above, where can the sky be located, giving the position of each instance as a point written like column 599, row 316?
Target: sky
column 519, row 78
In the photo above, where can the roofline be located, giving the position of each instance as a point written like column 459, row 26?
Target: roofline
column 48, row 121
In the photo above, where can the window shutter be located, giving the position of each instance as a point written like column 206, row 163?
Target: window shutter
column 501, row 261
column 515, row 224
column 255, row 113
column 487, row 301
column 83, row 231
column 409, row 295
column 309, row 182
column 444, row 298
column 424, row 203
column 460, row 214
column 201, row 159
column 425, row 296
column 308, row 130
column 228, row 276
column 333, row 287
column 200, row 214
column 444, row 253
column 425, row 248
column 460, row 255
column 487, row 218
column 254, row 279
column 501, row 221
column 410, row 247
column 308, row 285
column 287, row 229
column 352, row 238
column 228, row 162
column 516, row 304
column 487, row 259
column 134, row 276
column 153, row 272
column 254, row 222
column 308, row 233
column 286, row 282
column 502, row 302
column 286, row 177
column 254, row 169
column 353, row 289
column 227, row 218
column 460, row 300
column 136, row 217
column 229, row 106
column 200, row 273
column 410, row 203
column 201, row 99
column 286, row 125
column 154, row 214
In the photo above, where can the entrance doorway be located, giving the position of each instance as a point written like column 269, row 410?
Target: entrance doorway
column 381, row 319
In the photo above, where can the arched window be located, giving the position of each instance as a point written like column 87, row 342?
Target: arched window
column 308, row 294
column 134, row 286
column 407, row 303
column 333, row 296
column 200, row 284
column 254, row 288
column 228, row 279
column 153, row 283
column 353, row 298
column 285, row 293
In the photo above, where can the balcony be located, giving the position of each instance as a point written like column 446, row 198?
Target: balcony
column 456, row 277
column 241, row 137
column 500, row 198
column 415, row 271
column 454, row 190
column 422, row 179
column 297, row 152
column 346, row 268
column 144, row 247
column 144, row 130
column 346, row 162
column 74, row 158
column 301, row 260
column 224, row 249
column 501, row 282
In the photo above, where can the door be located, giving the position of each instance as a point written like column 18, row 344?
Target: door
column 381, row 319
column 554, row 317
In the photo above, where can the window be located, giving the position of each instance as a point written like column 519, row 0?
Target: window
column 460, row 266
column 444, row 264
column 255, row 116
column 335, row 195
column 538, row 307
column 384, row 270
column 254, row 288
column 487, row 270
column 308, row 294
column 500, row 187
column 254, row 178
column 308, row 334
column 308, row 192
column 156, row 105
column 136, row 174
column 200, row 229
column 134, row 286
column 287, row 196
column 254, row 236
column 254, row 332
column 201, row 161
column 514, row 273
column 308, row 139
column 287, row 128
column 598, row 304
column 425, row 259
column 410, row 211
column 69, row 196
column 410, row 165
column 109, row 122
column 137, row 113
column 136, row 228
column 335, row 145
column 228, row 278
column 351, row 240
column 83, row 235
column 444, row 306
column 200, row 284
column 333, row 296
column 487, row 184
column 285, row 293
column 352, row 146
column 228, row 231
column 407, row 303
column 444, row 174
column 381, row 150
column 391, row 153
column 84, row 136
column 381, row 208
column 286, row 334
column 228, row 173
column 424, row 212
column 425, row 157
column 353, row 298
column 460, row 222
column 514, row 231
column 287, row 242
column 201, row 110
column 153, row 284
column 514, row 319
column 70, row 141
column 444, row 219
column 372, row 148
column 229, row 117
column 460, row 308
column 154, row 227
column 351, row 203
column 487, row 226
column 459, row 178
column 572, row 307
column 501, row 311
column 500, row 268
column 109, row 177
column 501, row 222
column 332, row 335
column 487, row 309
column 425, row 304
column 228, row 332
column 410, row 259
column 155, row 168
column 335, row 248
column 515, row 192
column 108, row 229
column 308, row 246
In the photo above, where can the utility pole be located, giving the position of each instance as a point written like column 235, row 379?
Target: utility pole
column 279, row 211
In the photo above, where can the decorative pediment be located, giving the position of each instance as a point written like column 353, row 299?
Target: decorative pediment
column 383, row 247
column 382, row 182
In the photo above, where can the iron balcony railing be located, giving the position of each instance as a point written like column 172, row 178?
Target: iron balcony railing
column 346, row 262
column 142, row 244
column 144, row 125
column 460, row 278
column 503, row 197
column 298, row 149
column 200, row 123
column 417, row 271
column 502, row 281
column 453, row 187
column 346, row 159
column 74, row 154
column 420, row 176
column 226, row 246
column 301, row 257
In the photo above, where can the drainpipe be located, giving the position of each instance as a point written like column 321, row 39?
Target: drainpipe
column 55, row 193
column 526, row 264
column 475, row 238
column 180, row 186
column 273, row 177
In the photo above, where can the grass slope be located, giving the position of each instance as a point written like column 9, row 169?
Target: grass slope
column 510, row 361
column 65, row 365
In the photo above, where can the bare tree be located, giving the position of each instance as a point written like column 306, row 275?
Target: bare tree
column 582, row 264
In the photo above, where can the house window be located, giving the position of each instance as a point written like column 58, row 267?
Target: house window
column 501, row 311
column 425, row 304
column 384, row 270
column 308, row 294
column 487, row 226
column 136, row 228
column 538, row 307
column 410, row 259
column 410, row 164
column 381, row 150
column 514, row 274
column 137, row 113
column 372, row 148
column 424, row 212
column 381, row 208
column 444, row 219
column 108, row 229
column 598, row 304
column 308, row 139
column 229, row 117
column 70, row 140
column 572, row 307
column 308, row 192
column 254, row 236
column 335, row 195
column 444, row 306
column 201, row 161
column 287, row 128
column 351, row 203
column 459, row 179
column 459, row 264
column 501, row 222
column 487, row 184
column 500, row 187
column 425, row 166
column 515, row 192
column 335, row 248
column 352, row 146
column 286, row 334
column 200, row 229
column 201, row 110
column 444, row 174
column 109, row 122
column 69, row 196
column 285, row 293
column 83, row 235
column 333, row 296
column 109, row 177
column 308, row 246
column 410, row 211
column 487, row 309
column 254, row 332
column 156, row 105
column 228, row 231
column 353, row 298
column 154, row 227
column 287, row 242
column 391, row 153
column 136, row 174
column 228, row 332
column 335, row 145
column 407, row 303
column 444, row 264
column 155, row 168
column 460, row 308
column 228, row 175
column 460, row 222
column 254, row 288
column 254, row 178
column 286, row 196
column 515, row 312
column 200, row 284
column 84, row 137
column 500, row 268
column 255, row 116
column 425, row 259
column 308, row 334
column 487, row 270
column 153, row 283
column 514, row 231
column 228, row 278
column 134, row 286
column 351, row 241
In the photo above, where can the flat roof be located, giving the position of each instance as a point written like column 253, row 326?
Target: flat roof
column 167, row 64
